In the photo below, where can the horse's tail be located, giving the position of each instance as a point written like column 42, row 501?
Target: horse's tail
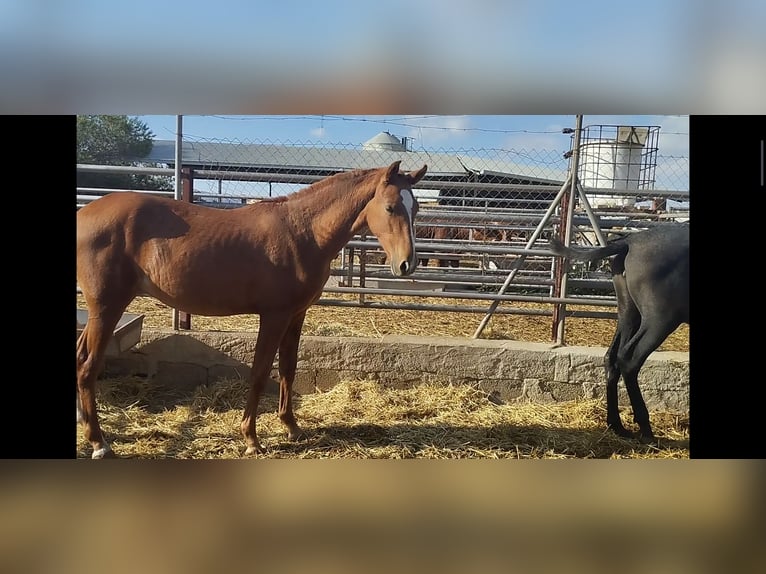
column 619, row 247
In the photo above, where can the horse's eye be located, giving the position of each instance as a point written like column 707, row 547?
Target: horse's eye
column 390, row 208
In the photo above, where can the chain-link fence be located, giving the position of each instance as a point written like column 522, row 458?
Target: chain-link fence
column 485, row 214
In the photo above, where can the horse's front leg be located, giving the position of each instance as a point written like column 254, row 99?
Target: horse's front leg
column 288, row 360
column 270, row 332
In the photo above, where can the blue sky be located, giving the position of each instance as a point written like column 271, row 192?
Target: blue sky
column 533, row 133
column 456, row 56
column 430, row 132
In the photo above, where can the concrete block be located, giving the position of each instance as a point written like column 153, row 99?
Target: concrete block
column 507, row 369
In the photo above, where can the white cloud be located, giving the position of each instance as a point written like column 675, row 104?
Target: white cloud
column 428, row 131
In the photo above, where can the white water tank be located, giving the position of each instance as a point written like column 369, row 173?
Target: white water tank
column 613, row 164
column 384, row 141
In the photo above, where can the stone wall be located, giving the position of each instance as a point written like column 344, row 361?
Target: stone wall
column 508, row 369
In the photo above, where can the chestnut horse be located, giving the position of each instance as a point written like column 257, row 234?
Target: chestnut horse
column 442, row 232
column 270, row 258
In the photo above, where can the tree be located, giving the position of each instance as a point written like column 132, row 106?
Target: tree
column 116, row 140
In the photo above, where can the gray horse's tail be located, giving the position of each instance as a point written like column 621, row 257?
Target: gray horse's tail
column 619, row 247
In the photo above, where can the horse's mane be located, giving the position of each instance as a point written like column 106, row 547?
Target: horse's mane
column 348, row 177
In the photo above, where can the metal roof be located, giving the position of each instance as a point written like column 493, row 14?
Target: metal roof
column 291, row 158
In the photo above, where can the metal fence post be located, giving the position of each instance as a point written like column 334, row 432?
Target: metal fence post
column 558, row 334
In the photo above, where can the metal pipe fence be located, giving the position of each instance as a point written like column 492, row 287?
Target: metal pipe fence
column 482, row 231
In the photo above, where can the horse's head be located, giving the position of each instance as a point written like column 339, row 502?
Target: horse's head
column 390, row 217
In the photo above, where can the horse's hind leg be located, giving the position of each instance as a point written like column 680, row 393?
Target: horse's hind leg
column 613, row 420
column 632, row 357
column 91, row 349
column 631, row 360
column 288, row 360
column 628, row 321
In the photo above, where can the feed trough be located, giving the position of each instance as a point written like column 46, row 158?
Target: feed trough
column 126, row 334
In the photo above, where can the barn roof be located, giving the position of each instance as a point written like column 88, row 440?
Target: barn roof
column 318, row 160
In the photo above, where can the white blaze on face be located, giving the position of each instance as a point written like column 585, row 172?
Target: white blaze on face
column 408, row 199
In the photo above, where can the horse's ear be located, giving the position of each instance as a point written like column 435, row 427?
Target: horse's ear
column 392, row 170
column 418, row 175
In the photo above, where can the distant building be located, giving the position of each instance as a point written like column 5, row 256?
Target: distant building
column 302, row 164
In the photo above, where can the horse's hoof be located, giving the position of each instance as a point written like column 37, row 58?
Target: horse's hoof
column 621, row 431
column 103, row 453
column 254, row 450
column 648, row 438
column 297, row 435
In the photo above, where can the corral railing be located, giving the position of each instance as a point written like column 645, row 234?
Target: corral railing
column 482, row 234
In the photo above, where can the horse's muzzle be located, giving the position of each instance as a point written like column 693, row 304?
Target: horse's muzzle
column 405, row 267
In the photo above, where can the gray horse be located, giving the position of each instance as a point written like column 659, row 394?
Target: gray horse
column 650, row 272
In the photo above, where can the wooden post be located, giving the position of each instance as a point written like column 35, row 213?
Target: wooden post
column 187, row 194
